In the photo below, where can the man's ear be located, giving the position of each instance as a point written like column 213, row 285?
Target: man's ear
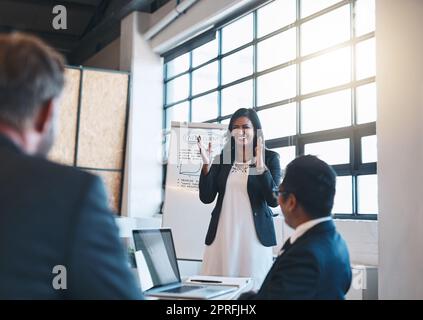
column 44, row 118
column 291, row 202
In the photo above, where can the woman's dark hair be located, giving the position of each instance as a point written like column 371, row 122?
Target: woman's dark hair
column 252, row 115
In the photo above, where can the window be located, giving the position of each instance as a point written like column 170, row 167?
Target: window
column 367, row 194
column 267, row 23
column 366, row 103
column 279, row 121
column 343, row 197
column 332, row 152
column 237, row 33
column 308, row 68
column 309, row 7
column 237, row 65
column 205, row 78
column 368, row 149
column 329, row 70
column 237, row 96
column 326, row 30
column 276, row 50
column 332, row 111
column 286, row 154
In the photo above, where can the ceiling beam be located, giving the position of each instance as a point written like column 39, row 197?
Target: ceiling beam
column 101, row 34
column 97, row 17
column 62, row 42
column 70, row 5
column 58, row 35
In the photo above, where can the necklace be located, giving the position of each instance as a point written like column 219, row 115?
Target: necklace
column 240, row 167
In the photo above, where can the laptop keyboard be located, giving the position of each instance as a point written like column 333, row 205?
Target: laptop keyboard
column 183, row 289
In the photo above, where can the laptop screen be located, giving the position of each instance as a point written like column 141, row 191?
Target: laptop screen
column 159, row 254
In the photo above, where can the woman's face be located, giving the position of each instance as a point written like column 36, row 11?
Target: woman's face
column 243, row 131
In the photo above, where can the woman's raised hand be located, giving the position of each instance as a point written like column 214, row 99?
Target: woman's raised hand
column 205, row 155
column 259, row 154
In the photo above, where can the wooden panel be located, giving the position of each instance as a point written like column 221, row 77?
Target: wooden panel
column 112, row 181
column 102, row 120
column 63, row 150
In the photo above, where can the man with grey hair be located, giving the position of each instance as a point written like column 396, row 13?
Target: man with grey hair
column 54, row 220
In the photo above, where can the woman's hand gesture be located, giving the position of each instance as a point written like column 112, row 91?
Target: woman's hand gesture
column 259, row 155
column 205, row 155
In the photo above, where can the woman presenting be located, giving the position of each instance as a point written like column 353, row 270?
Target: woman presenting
column 241, row 233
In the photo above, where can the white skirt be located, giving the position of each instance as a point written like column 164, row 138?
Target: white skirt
column 236, row 250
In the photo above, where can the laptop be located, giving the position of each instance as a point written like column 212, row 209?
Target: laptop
column 159, row 271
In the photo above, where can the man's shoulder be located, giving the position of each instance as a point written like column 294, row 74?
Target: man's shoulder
column 45, row 174
column 320, row 246
column 59, row 171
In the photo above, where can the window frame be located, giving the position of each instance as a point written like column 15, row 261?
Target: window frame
column 354, row 132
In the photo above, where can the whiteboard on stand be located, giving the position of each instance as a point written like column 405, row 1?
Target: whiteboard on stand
column 183, row 211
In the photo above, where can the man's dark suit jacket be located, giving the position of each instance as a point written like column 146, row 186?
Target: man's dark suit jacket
column 52, row 215
column 260, row 191
column 315, row 266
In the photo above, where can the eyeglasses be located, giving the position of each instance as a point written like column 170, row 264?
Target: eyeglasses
column 277, row 192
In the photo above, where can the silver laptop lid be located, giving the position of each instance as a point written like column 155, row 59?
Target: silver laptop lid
column 160, row 256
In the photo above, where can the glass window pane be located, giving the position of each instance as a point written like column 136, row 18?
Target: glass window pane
column 367, row 194
column 237, row 65
column 237, row 96
column 237, row 33
column 204, row 108
column 204, row 53
column 287, row 154
column 309, row 7
column 326, row 112
column 332, row 152
column 178, row 65
column 225, row 121
column 366, row 103
column 343, row 196
column 276, row 86
column 366, row 59
column 177, row 89
column 279, row 121
column 276, row 50
column 205, row 78
column 368, row 149
column 326, row 71
column 364, row 17
column 179, row 112
column 275, row 15
column 326, row 31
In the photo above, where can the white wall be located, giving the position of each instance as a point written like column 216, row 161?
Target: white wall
column 399, row 46
column 361, row 238
column 107, row 58
column 143, row 170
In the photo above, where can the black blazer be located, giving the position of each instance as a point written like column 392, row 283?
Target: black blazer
column 260, row 191
column 55, row 215
column 316, row 266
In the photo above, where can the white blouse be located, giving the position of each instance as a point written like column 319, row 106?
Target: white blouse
column 236, row 250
